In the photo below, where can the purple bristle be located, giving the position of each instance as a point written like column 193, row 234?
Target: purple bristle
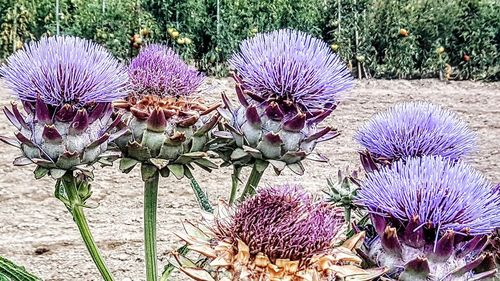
column 416, row 129
column 285, row 222
column 158, row 70
column 446, row 193
column 65, row 69
column 292, row 65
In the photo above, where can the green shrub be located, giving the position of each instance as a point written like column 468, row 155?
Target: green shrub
column 379, row 38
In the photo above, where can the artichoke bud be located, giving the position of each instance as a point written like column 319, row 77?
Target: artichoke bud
column 240, row 242
column 343, row 191
column 433, row 216
column 280, row 108
column 165, row 119
column 67, row 116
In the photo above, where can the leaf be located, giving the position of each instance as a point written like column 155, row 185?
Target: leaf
column 148, row 171
column 206, row 163
column 40, row 172
column 169, row 268
column 261, row 165
column 177, row 170
column 127, row 164
column 159, row 163
column 297, row 168
column 11, row 272
column 57, row 173
column 197, row 274
column 22, row 161
column 201, row 196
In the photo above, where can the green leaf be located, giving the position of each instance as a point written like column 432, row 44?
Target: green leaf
column 9, row 271
column 177, row 170
column 201, row 196
column 40, row 172
column 148, row 171
column 169, row 268
column 159, row 163
column 261, row 165
column 127, row 164
column 206, row 163
column 57, row 173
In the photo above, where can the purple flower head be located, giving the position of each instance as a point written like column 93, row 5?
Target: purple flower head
column 158, row 70
column 416, row 129
column 65, row 70
column 285, row 222
column 444, row 194
column 289, row 65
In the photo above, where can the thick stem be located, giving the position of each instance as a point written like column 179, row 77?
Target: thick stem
column 234, row 183
column 253, row 181
column 150, row 206
column 76, row 208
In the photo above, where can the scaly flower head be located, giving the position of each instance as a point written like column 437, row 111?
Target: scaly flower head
column 430, row 212
column 167, row 120
column 282, row 233
column 66, row 85
column 287, row 82
column 415, row 129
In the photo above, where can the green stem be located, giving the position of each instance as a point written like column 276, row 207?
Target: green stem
column 347, row 211
column 234, row 183
column 150, row 206
column 254, row 179
column 76, row 208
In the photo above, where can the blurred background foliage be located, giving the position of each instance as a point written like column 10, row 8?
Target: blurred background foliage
column 455, row 39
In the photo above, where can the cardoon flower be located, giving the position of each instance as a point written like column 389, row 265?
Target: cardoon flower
column 168, row 123
column 66, row 86
column 287, row 82
column 281, row 233
column 167, row 129
column 415, row 129
column 432, row 216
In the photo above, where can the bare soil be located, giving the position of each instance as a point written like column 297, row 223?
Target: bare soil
column 36, row 230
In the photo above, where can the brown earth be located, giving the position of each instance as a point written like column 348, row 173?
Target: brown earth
column 36, row 231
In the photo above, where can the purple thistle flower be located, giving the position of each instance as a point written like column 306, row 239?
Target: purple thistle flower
column 65, row 70
column 415, row 129
column 292, row 66
column 158, row 70
column 444, row 194
column 66, row 85
column 285, row 222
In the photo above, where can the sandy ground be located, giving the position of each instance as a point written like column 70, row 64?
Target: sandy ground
column 36, row 231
